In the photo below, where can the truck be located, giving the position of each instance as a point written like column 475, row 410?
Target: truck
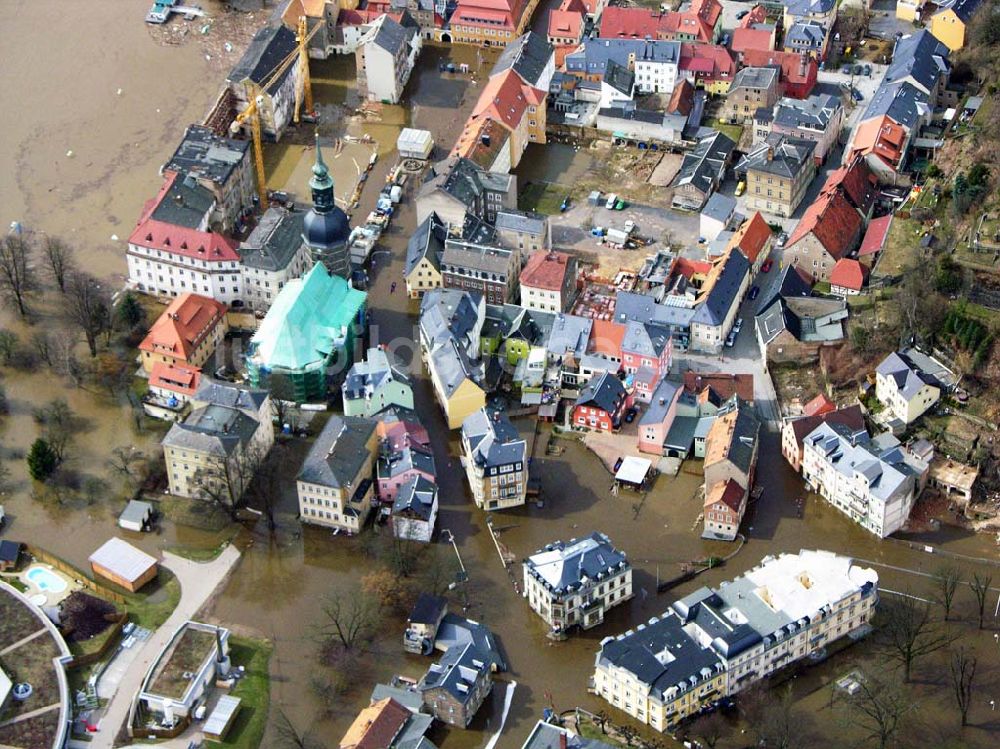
column 610, row 202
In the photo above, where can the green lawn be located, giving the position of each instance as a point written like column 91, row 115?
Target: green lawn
column 543, row 197
column 196, row 513
column 198, row 553
column 734, row 132
column 151, row 606
column 254, row 691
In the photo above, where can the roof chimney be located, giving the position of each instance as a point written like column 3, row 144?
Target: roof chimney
column 770, row 153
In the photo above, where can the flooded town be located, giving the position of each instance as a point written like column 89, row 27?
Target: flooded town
column 495, row 373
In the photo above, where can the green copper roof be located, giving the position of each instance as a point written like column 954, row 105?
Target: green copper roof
column 311, row 317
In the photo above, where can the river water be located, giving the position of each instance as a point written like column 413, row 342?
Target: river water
column 66, row 99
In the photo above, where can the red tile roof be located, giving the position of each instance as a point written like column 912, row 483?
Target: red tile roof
column 874, row 239
column 832, row 220
column 637, row 23
column 882, row 137
column 724, row 385
column 848, row 274
column 546, row 270
column 819, row 405
column 744, row 39
column 376, row 726
column 752, row 237
column 565, row 23
column 796, row 69
column 618, row 22
column 757, row 14
column 707, row 58
column 182, row 327
column 728, row 492
column 606, row 338
column 682, row 99
column 858, row 183
column 177, row 378
column 179, row 240
column 687, row 267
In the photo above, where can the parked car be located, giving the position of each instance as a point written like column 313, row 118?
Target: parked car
column 766, row 267
column 741, row 187
column 868, row 70
column 845, row 85
column 631, row 414
column 742, row 14
column 629, row 226
column 846, row 70
column 782, row 238
column 857, row 95
column 610, row 202
column 731, row 339
column 754, row 292
column 739, row 325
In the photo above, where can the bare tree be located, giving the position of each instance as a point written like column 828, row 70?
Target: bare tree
column 947, row 578
column 225, row 481
column 771, row 718
column 59, row 258
column 908, row 632
column 878, row 708
column 124, row 461
column 264, row 490
column 17, row 277
column 289, row 737
column 963, row 674
column 350, row 620
column 59, row 425
column 282, row 399
column 88, row 305
column 710, row 728
column 980, row 585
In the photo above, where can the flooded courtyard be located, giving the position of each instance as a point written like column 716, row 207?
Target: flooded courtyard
column 280, row 586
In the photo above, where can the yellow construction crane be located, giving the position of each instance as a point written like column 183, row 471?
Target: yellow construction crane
column 255, row 94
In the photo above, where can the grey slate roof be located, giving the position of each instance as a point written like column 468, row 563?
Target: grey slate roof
column 789, row 156
column 604, row 390
column 273, row 243
column 136, row 511
column 903, row 102
column 339, row 452
column 569, row 334
column 373, row 373
column 456, row 631
column 659, row 404
column 619, row 77
column 704, row 166
column 645, row 339
column 527, row 55
column 920, row 57
column 547, row 736
column 593, row 58
column 428, row 609
column 416, row 497
column 909, row 378
column 406, row 460
column 755, row 78
column 464, row 180
column 814, row 113
column 457, row 672
column 448, row 313
column 268, row 48
column 964, row 9
column 185, row 203
column 745, row 432
column 724, row 292
column 719, row 207
column 523, row 222
column 391, row 36
column 427, row 242
column 229, row 394
column 205, row 155
column 644, row 308
column 566, row 566
column 805, row 7
column 494, row 441
column 215, row 429
column 805, row 34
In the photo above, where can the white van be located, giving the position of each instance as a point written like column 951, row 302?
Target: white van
column 610, row 203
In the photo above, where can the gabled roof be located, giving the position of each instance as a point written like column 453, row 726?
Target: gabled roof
column 819, row 406
column 881, row 137
column 645, row 339
column 392, row 36
column 746, row 38
column 181, row 240
column 797, row 68
column 733, row 435
column 339, row 452
column 724, row 292
column 376, row 726
column 849, row 416
column 682, row 98
column 705, row 164
column 604, row 391
column 848, row 273
column 757, row 14
column 782, row 157
column 878, row 230
column 832, row 221
column 566, row 22
column 708, row 61
column 606, row 338
column 528, row 56
column 416, row 498
column 724, row 385
column 919, row 58
column 546, row 270
column 728, row 493
column 426, row 243
column 806, row 33
column 266, row 51
column 902, row 102
column 752, row 237
column 964, row 9
column 183, row 326
column 176, row 378
column 908, row 377
column 796, row 8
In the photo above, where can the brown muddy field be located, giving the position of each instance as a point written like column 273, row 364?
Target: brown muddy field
column 63, row 64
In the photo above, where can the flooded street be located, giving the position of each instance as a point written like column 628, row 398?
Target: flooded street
column 67, row 100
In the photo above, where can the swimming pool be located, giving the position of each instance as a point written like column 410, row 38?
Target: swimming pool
column 46, row 580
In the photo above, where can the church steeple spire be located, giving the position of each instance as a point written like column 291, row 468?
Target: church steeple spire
column 321, row 183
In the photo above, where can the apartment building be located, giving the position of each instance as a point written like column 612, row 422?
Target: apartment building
column 385, row 58
column 778, row 173
column 871, row 480
column 904, row 388
column 187, row 333
column 752, row 89
column 574, row 583
column 495, row 460
column 274, row 254
column 818, row 118
column 716, row 643
column 336, row 482
column 548, row 281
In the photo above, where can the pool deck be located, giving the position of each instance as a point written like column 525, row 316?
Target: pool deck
column 36, row 592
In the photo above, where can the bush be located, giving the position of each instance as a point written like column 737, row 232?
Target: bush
column 42, row 460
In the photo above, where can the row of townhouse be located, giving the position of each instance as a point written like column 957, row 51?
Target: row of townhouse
column 716, row 643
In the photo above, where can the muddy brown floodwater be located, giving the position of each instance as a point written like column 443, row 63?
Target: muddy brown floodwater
column 63, row 64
